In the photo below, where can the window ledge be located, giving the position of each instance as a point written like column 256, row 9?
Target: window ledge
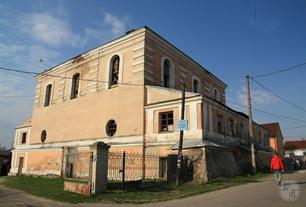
column 165, row 132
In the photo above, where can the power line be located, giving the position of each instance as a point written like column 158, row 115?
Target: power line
column 275, row 94
column 280, row 71
column 270, row 113
column 13, row 96
column 58, row 76
column 297, row 136
column 296, row 127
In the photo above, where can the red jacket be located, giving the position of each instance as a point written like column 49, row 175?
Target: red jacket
column 276, row 163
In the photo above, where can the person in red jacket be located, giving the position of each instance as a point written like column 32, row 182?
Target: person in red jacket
column 278, row 167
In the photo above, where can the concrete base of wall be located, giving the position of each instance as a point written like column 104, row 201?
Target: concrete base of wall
column 12, row 174
column 76, row 186
column 263, row 160
column 221, row 163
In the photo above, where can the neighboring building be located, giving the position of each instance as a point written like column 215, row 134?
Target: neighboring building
column 21, row 142
column 275, row 137
column 296, row 148
column 126, row 93
column 5, row 161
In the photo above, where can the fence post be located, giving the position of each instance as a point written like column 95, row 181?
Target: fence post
column 99, row 167
column 123, row 171
column 64, row 162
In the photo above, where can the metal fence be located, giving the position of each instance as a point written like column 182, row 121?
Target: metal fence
column 134, row 166
column 122, row 166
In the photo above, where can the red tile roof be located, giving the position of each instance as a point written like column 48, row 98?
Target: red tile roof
column 291, row 145
column 272, row 127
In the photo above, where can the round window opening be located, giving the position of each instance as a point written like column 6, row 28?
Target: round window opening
column 43, row 136
column 111, row 127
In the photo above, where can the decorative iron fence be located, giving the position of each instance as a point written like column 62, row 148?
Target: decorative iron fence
column 134, row 166
column 122, row 166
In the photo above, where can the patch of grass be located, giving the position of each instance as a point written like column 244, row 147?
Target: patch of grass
column 52, row 188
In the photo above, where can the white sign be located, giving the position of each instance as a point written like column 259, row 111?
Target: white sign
column 181, row 125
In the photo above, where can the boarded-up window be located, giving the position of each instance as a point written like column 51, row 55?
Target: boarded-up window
column 48, row 95
column 75, row 86
column 166, row 121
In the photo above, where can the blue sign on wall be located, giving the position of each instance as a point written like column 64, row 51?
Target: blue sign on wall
column 181, row 125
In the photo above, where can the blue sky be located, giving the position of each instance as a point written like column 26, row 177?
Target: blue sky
column 216, row 33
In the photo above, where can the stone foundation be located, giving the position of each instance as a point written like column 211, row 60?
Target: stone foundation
column 221, row 163
column 77, row 186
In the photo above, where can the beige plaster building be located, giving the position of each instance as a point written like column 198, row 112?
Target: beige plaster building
column 126, row 93
column 276, row 137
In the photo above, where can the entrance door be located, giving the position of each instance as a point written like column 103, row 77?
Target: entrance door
column 20, row 166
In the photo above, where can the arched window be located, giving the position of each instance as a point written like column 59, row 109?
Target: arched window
column 75, row 86
column 167, row 66
column 43, row 136
column 196, row 88
column 216, row 94
column 114, row 70
column 48, row 95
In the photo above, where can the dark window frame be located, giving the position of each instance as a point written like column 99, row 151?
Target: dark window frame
column 75, row 86
column 220, row 124
column 48, row 95
column 115, row 70
column 111, row 128
column 216, row 94
column 166, row 119
column 166, row 75
column 43, row 136
column 196, row 86
column 241, row 130
column 231, row 127
column 23, row 138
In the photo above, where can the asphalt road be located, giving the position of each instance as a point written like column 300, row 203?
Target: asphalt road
column 261, row 194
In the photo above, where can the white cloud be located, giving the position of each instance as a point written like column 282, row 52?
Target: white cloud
column 93, row 33
column 117, row 26
column 10, row 50
column 259, row 97
column 111, row 26
column 26, row 57
column 49, row 29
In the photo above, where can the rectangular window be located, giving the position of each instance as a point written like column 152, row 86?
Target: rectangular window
column 207, row 118
column 219, row 123
column 241, row 130
column 166, row 121
column 231, row 127
column 23, row 138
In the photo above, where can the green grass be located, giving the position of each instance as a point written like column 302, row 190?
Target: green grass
column 52, row 188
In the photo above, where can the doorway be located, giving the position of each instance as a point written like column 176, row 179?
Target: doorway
column 20, row 166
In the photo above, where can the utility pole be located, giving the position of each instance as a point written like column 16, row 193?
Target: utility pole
column 251, row 135
column 179, row 154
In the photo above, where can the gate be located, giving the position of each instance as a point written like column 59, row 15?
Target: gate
column 135, row 166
